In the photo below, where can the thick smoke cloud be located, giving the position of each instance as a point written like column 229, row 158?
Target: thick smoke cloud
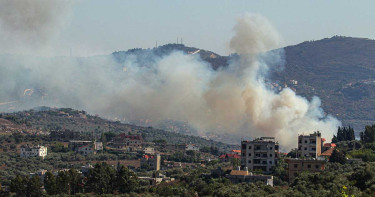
column 29, row 25
column 234, row 99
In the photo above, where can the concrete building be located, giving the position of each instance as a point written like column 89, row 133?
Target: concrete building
column 128, row 142
column 148, row 151
column 243, row 176
column 85, row 147
column 192, row 147
column 157, row 180
column 259, row 154
column 296, row 166
column 33, row 151
column 86, row 150
column 153, row 162
column 310, row 146
column 75, row 144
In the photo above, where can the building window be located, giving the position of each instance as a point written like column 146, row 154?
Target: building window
column 249, row 154
column 270, row 162
column 249, row 161
column 249, row 147
column 295, row 165
column 243, row 154
column 271, row 148
column 305, row 141
column 305, row 148
column 243, row 146
column 309, row 166
column 313, row 148
column 270, row 155
column 317, row 166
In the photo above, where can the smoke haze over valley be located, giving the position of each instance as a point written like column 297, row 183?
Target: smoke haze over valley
column 179, row 86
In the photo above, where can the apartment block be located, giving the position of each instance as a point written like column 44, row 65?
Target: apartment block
column 259, row 154
column 310, row 146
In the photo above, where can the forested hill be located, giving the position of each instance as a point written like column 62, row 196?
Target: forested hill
column 341, row 71
column 45, row 119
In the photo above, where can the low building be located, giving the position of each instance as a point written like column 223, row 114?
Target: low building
column 148, row 151
column 86, row 168
column 86, row 150
column 41, row 173
column 85, row 147
column 151, row 161
column 328, row 146
column 296, row 166
column 157, row 180
column 243, row 176
column 128, row 142
column 33, row 151
column 237, row 152
column 192, row 147
column 228, row 157
column 75, row 144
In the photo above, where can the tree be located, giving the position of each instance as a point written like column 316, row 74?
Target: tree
column 76, row 179
column 126, row 180
column 364, row 177
column 338, row 157
column 344, row 134
column 34, row 187
column 101, row 179
column 235, row 162
column 18, row 185
column 50, row 183
column 368, row 136
column 63, row 182
column 104, row 140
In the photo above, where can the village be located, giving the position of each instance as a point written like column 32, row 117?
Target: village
column 253, row 162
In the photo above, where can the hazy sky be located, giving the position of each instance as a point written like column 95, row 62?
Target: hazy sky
column 97, row 26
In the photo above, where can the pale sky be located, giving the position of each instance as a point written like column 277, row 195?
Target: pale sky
column 101, row 27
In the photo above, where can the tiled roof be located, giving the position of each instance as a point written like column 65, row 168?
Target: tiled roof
column 328, row 152
column 236, row 151
column 239, row 172
column 230, row 156
column 329, row 145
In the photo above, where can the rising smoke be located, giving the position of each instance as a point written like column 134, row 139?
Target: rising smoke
column 30, row 25
column 178, row 86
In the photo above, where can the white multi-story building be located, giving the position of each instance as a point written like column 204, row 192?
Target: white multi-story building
column 259, row 154
column 192, row 147
column 37, row 151
column 310, row 146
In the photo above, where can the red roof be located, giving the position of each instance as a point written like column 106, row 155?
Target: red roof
column 329, row 145
column 236, row 151
column 323, row 139
column 148, row 156
column 328, row 152
column 229, row 156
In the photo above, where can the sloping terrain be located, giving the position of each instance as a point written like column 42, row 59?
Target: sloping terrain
column 52, row 119
column 340, row 70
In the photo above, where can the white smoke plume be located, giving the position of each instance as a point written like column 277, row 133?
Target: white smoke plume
column 179, row 86
column 29, row 25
